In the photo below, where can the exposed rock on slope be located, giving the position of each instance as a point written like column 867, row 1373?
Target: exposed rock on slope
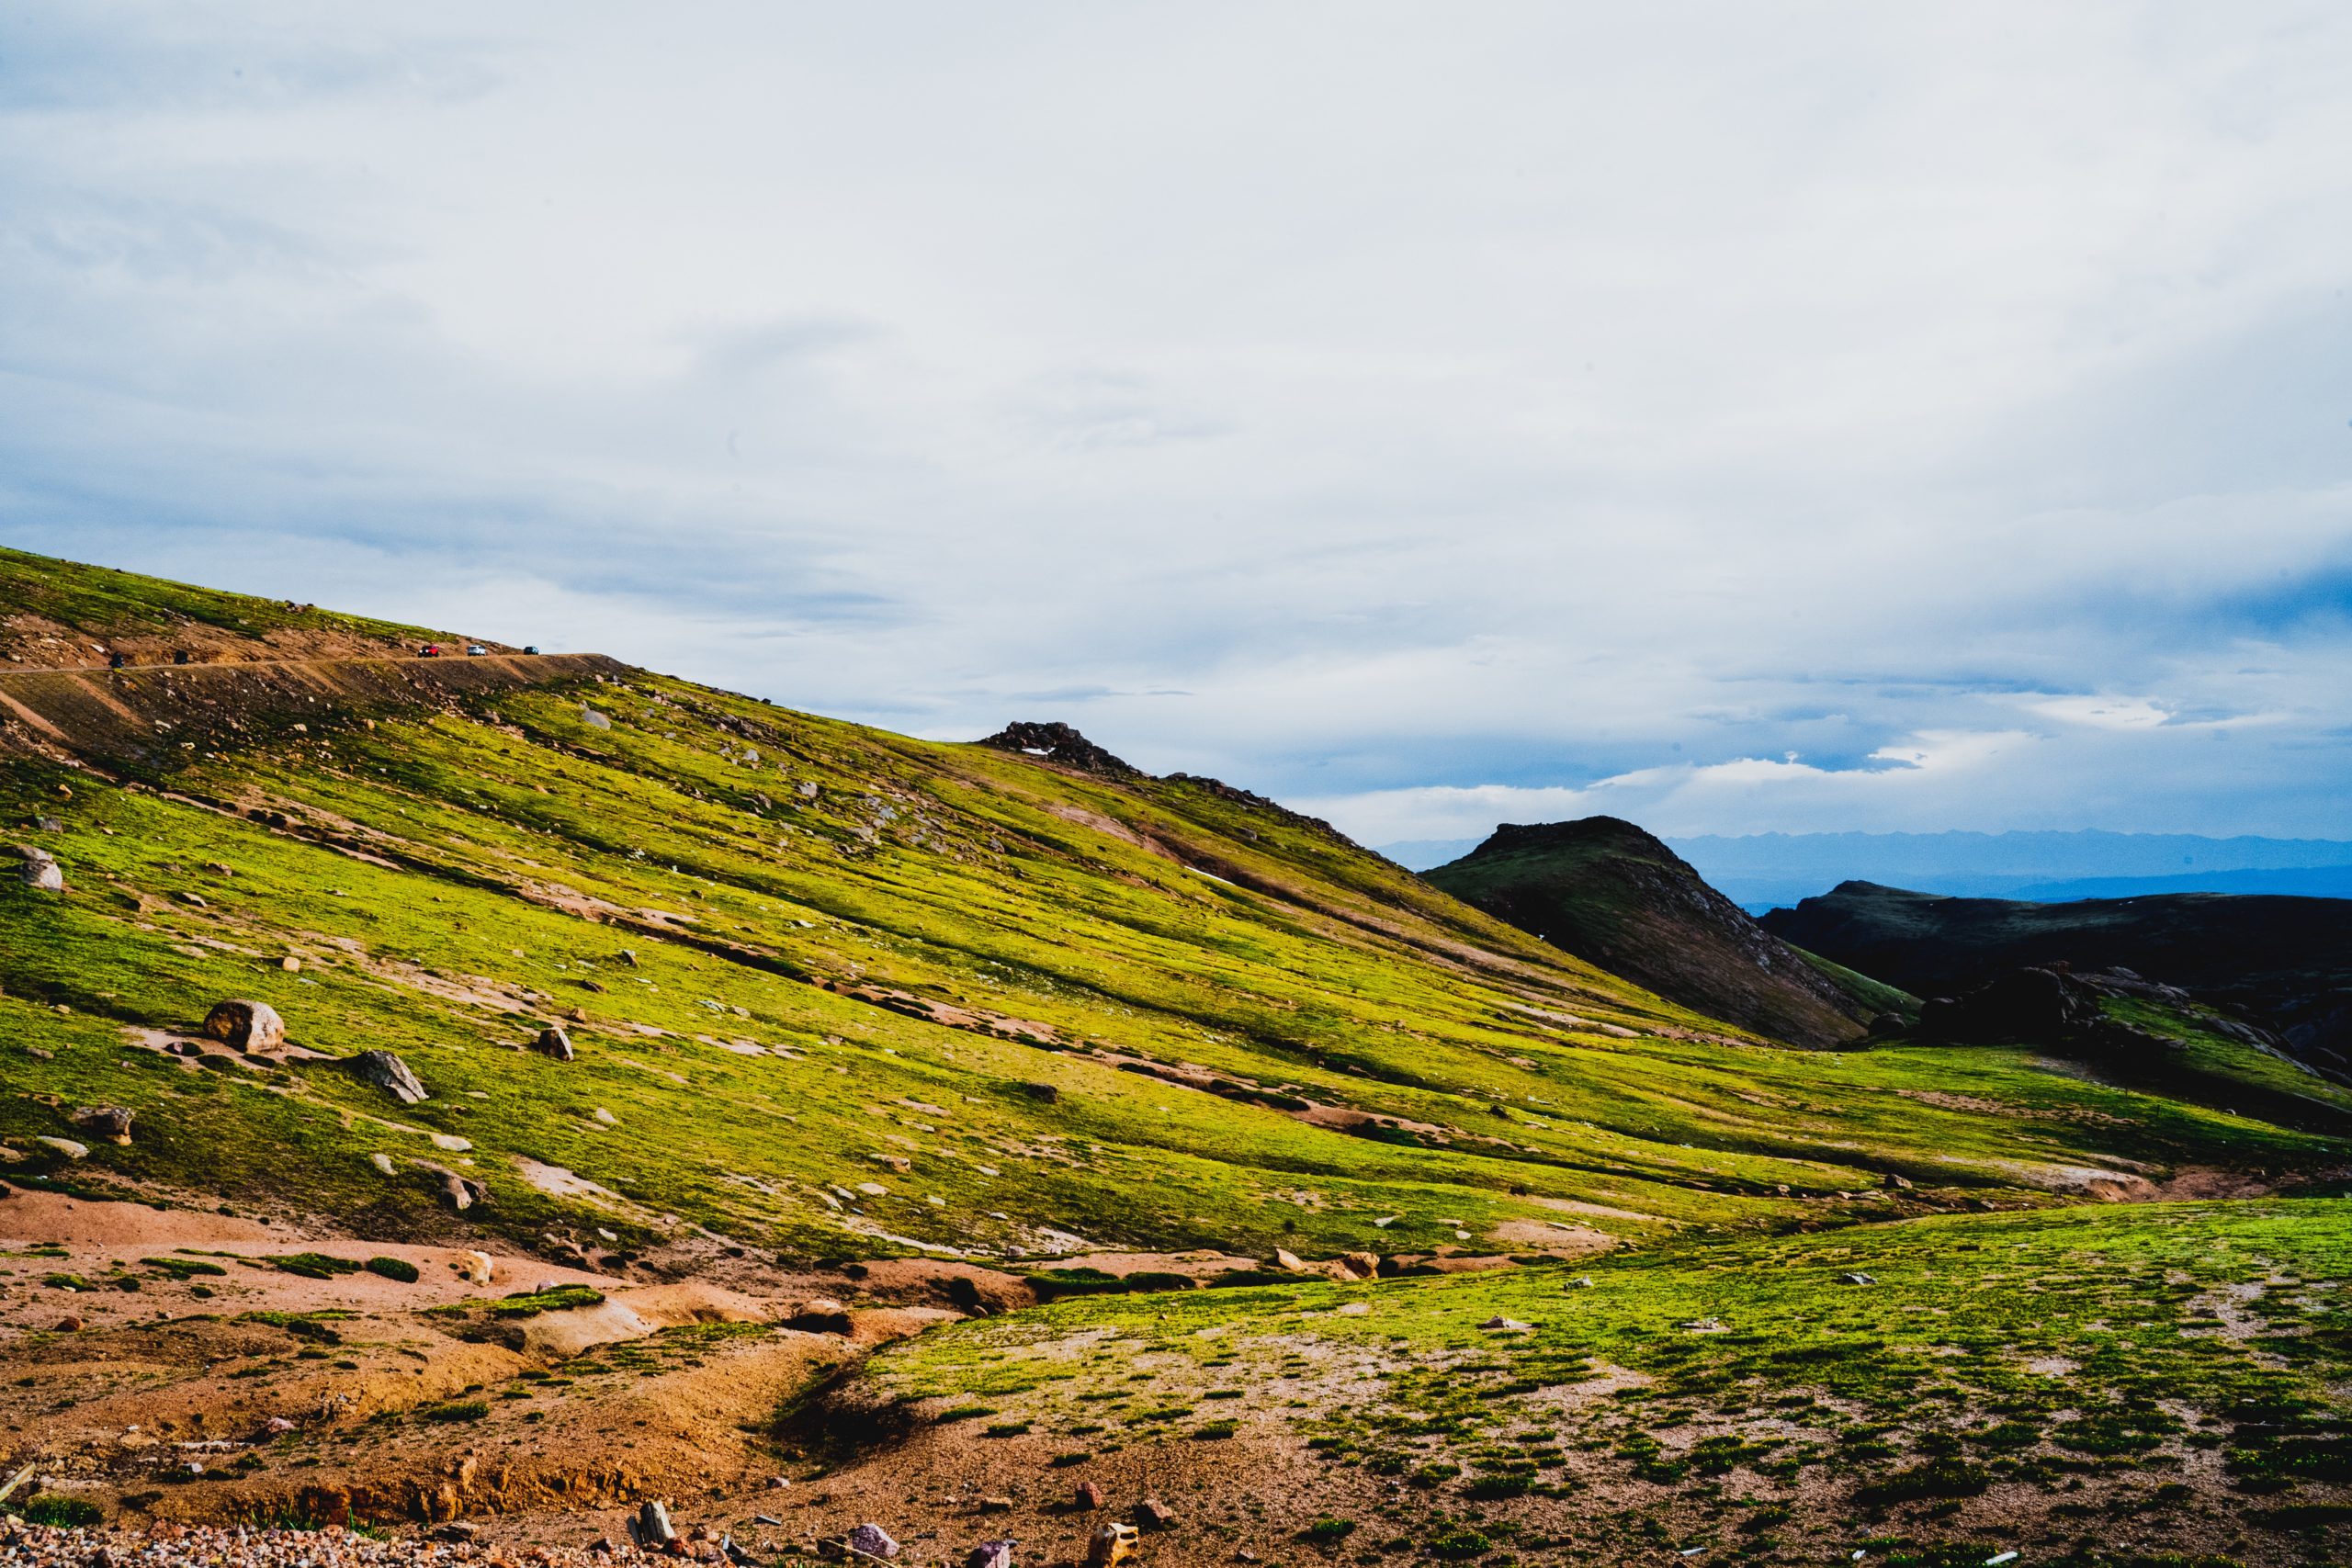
column 1612, row 894
column 1061, row 743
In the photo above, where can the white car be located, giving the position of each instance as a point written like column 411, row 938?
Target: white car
column 475, row 650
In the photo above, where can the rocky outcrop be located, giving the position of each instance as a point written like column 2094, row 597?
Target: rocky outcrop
column 1060, row 743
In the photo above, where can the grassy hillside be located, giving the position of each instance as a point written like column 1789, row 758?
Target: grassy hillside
column 837, row 991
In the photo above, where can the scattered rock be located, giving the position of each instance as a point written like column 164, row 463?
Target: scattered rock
column 387, row 1072
column 873, row 1541
column 69, row 1323
column 476, row 1267
column 247, row 1026
column 892, row 1162
column 291, row 964
column 278, row 1424
column 819, row 1314
column 990, row 1555
column 1857, row 1279
column 456, row 1531
column 1500, row 1325
column 1581, row 1282
column 553, row 1042
column 460, row 1192
column 998, row 1504
column 192, row 900
column 1354, row 1309
column 1290, row 1260
column 1088, row 1498
column 383, row 1162
column 1151, row 1514
column 111, row 1123
column 1111, row 1545
column 66, row 1146
column 41, row 871
column 1702, row 1325
column 1362, row 1265
column 651, row 1525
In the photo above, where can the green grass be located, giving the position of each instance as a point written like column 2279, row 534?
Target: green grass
column 1994, row 1349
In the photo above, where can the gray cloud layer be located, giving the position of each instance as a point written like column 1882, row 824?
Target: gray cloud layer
column 1736, row 417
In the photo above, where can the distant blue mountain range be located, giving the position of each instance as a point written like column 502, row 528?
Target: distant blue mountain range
column 1772, row 870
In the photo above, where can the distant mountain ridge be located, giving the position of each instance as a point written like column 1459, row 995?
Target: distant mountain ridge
column 1768, row 869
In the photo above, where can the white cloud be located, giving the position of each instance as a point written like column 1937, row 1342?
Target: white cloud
column 2104, row 713
column 1535, row 396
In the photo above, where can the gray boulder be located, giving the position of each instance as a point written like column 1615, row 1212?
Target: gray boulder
column 41, row 871
column 389, row 1073
column 654, row 1530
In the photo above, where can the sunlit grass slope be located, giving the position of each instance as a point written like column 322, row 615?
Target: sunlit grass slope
column 844, row 991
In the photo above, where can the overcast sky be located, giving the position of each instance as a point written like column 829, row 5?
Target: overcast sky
column 1737, row 417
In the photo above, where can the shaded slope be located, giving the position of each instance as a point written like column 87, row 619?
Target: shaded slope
column 2284, row 961
column 1611, row 893
column 834, row 991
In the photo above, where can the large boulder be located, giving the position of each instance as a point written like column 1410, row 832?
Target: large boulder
column 41, row 871
column 388, row 1073
column 249, row 1026
column 553, row 1042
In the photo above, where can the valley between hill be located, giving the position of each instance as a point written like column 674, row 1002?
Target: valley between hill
column 750, row 1041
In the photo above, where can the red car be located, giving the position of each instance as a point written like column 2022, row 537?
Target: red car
column 430, row 650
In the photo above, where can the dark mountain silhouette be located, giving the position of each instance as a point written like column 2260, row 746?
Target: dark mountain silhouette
column 2285, row 962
